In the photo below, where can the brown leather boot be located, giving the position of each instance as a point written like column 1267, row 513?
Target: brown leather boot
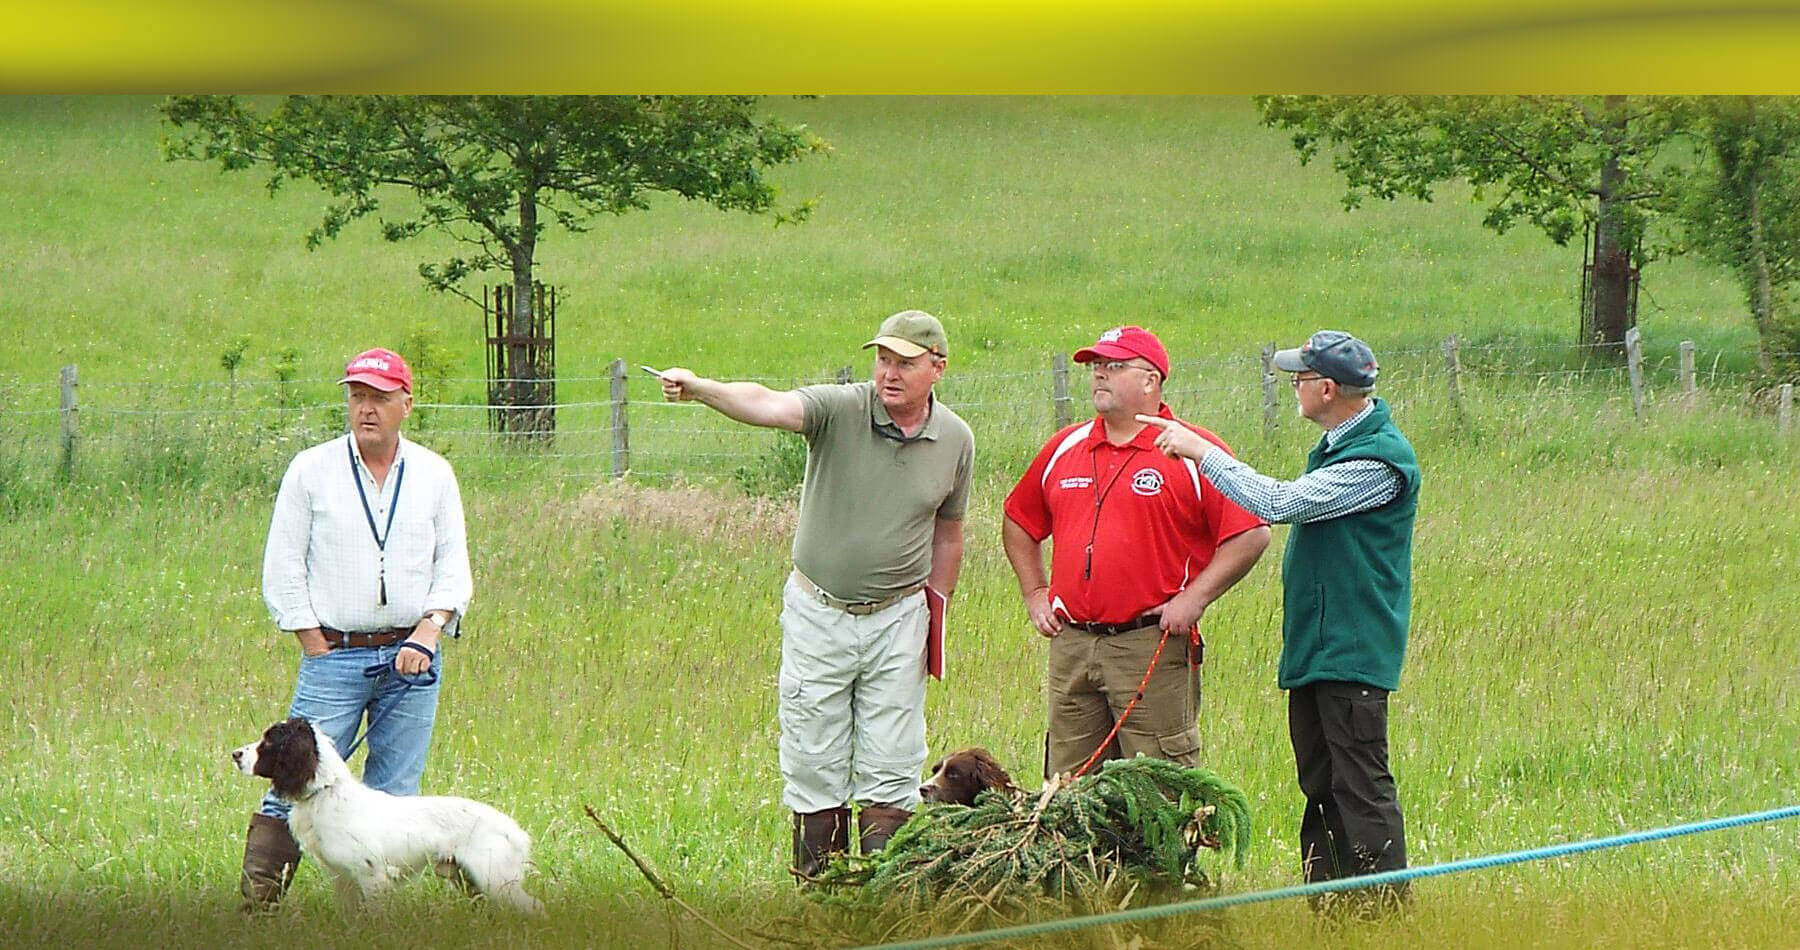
column 875, row 824
column 817, row 836
column 270, row 856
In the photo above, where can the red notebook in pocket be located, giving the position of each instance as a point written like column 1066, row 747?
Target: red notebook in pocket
column 937, row 606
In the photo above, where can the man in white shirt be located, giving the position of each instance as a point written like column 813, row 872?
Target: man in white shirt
column 367, row 566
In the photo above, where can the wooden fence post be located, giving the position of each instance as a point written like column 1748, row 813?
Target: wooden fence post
column 1270, row 410
column 621, row 430
column 1689, row 385
column 1784, row 413
column 69, row 413
column 1059, row 389
column 1453, row 366
column 1634, row 359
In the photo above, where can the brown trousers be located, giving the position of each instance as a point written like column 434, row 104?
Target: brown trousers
column 1092, row 679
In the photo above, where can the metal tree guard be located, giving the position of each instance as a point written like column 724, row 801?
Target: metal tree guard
column 521, row 361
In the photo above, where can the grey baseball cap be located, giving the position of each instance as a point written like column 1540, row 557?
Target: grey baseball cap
column 1333, row 354
column 910, row 333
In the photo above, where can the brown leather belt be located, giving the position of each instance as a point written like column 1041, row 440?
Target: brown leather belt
column 856, row 608
column 357, row 638
column 1112, row 629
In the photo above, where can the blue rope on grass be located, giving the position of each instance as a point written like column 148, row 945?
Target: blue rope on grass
column 1342, row 884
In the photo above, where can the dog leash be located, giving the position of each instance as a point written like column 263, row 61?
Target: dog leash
column 1104, row 743
column 409, row 680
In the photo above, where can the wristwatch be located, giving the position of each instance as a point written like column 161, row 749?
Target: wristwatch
column 437, row 617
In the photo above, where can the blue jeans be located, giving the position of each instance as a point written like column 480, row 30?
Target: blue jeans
column 332, row 691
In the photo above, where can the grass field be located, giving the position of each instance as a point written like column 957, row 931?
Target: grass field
column 1603, row 628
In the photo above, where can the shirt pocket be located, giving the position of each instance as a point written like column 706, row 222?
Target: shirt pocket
column 413, row 541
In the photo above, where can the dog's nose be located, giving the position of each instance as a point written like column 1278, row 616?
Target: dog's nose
column 237, row 755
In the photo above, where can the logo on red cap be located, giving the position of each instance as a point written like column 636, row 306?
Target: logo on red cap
column 382, row 369
column 1121, row 343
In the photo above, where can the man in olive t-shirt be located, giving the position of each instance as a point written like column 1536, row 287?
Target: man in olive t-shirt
column 881, row 519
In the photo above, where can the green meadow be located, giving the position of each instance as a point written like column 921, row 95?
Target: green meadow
column 1603, row 630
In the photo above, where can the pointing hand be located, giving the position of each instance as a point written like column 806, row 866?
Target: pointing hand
column 1176, row 440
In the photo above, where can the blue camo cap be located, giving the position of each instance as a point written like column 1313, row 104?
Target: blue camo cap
column 1333, row 354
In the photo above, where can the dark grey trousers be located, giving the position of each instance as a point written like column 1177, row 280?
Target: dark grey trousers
column 1352, row 822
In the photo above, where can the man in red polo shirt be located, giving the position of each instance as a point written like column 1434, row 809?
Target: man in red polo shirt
column 1140, row 545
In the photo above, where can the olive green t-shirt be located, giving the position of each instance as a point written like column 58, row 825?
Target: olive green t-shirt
column 871, row 495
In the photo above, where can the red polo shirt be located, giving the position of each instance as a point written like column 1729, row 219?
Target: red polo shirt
column 1153, row 522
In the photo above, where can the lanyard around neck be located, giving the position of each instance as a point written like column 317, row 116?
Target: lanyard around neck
column 368, row 514
column 1087, row 565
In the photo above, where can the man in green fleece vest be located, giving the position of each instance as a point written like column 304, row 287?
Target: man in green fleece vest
column 1347, row 596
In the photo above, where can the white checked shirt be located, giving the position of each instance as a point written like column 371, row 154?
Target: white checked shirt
column 322, row 568
column 1336, row 490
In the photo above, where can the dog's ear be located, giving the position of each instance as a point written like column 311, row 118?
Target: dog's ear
column 988, row 770
column 288, row 756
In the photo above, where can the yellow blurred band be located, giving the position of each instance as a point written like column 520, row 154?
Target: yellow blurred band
column 922, row 46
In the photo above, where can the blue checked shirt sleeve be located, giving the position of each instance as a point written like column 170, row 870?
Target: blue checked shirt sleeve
column 1334, row 491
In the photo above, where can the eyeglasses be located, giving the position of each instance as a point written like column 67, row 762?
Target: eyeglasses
column 1113, row 366
column 1297, row 379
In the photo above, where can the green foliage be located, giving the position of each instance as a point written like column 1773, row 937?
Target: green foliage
column 431, row 361
column 1144, row 817
column 1535, row 159
column 286, row 369
column 776, row 470
column 493, row 171
column 233, row 355
column 1739, row 207
column 1558, row 163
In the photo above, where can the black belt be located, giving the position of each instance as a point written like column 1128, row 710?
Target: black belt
column 1112, row 629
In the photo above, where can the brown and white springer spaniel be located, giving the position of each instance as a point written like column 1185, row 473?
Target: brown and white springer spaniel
column 960, row 776
column 367, row 838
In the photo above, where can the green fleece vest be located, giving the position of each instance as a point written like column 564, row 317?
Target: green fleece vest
column 1347, row 582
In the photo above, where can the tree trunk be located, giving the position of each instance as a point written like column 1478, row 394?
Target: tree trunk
column 1762, row 302
column 533, row 388
column 1611, row 285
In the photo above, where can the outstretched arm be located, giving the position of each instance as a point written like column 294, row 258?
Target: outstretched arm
column 1334, row 491
column 751, row 403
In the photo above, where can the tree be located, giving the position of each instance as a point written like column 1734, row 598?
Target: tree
column 493, row 171
column 1739, row 206
column 1559, row 163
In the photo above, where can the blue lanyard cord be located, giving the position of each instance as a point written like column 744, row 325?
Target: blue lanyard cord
column 381, row 537
column 377, row 671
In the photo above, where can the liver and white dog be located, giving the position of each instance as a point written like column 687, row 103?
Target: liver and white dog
column 367, row 838
column 958, row 777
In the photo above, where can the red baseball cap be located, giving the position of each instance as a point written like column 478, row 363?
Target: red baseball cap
column 382, row 369
column 1123, row 343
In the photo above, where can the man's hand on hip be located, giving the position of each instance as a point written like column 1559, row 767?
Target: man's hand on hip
column 1182, row 612
column 312, row 641
column 1043, row 616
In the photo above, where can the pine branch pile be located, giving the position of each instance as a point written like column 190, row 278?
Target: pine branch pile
column 1136, row 818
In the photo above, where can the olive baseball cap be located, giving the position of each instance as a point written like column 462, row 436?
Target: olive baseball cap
column 910, row 333
column 1333, row 354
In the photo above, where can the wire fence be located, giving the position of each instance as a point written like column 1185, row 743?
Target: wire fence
column 617, row 423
